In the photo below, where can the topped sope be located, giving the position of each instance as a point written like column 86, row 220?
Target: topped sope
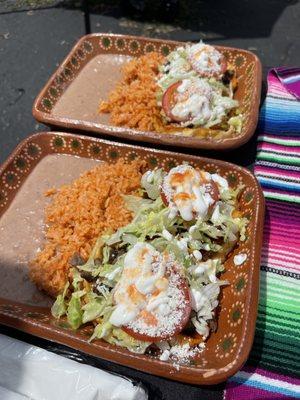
column 189, row 192
column 193, row 92
column 206, row 60
column 151, row 298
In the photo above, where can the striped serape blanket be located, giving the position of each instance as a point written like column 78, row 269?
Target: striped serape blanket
column 273, row 369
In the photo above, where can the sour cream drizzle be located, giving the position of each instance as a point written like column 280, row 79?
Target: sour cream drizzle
column 143, row 288
column 193, row 100
column 205, row 59
column 185, row 190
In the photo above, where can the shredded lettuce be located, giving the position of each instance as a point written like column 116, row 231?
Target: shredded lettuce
column 96, row 254
column 105, row 254
column 93, row 308
column 204, row 301
column 102, row 330
column 151, row 181
column 121, row 338
column 151, row 219
column 135, row 203
column 129, row 238
column 74, row 311
column 176, row 68
column 110, row 273
column 236, row 122
column 76, row 279
column 231, row 195
column 59, row 308
column 104, row 327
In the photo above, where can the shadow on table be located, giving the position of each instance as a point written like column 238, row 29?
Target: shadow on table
column 230, row 19
column 224, row 19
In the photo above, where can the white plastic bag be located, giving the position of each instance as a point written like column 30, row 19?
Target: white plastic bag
column 29, row 372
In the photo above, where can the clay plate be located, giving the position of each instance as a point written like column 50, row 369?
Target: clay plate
column 71, row 97
column 49, row 159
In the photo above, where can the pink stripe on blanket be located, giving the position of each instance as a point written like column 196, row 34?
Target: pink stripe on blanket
column 277, row 240
column 288, row 226
column 282, row 266
column 275, row 87
column 283, row 247
column 280, row 255
column 271, row 375
column 278, row 231
column 276, row 172
column 278, row 148
column 235, row 391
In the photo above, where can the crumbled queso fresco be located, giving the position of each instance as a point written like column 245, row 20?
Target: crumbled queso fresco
column 194, row 100
column 181, row 354
column 169, row 316
column 187, row 192
column 239, row 259
column 204, row 58
column 144, row 286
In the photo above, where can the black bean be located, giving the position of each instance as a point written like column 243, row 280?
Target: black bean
column 189, row 329
column 115, row 254
column 76, row 260
column 212, row 324
column 153, row 350
column 226, row 78
column 87, row 276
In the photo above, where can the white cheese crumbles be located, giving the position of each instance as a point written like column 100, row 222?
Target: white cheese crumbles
column 181, row 354
column 191, row 192
column 168, row 309
column 205, row 59
column 185, row 190
column 199, row 103
column 222, row 182
column 193, row 100
column 208, row 268
column 197, row 254
column 239, row 259
column 148, row 297
column 167, row 235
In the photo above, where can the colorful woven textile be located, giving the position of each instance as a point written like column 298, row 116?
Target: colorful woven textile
column 290, row 79
column 273, row 368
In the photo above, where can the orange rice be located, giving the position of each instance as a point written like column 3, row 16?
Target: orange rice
column 80, row 212
column 133, row 102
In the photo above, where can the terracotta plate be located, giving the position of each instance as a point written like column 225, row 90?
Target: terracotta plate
column 71, row 97
column 49, row 159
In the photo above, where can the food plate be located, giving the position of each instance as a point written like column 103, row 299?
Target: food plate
column 71, row 97
column 34, row 167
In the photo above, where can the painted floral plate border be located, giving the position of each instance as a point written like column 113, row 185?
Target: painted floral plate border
column 228, row 348
column 246, row 63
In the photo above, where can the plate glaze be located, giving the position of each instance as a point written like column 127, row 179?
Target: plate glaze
column 226, row 349
column 71, row 97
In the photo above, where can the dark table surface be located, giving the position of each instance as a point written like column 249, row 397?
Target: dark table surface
column 36, row 35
